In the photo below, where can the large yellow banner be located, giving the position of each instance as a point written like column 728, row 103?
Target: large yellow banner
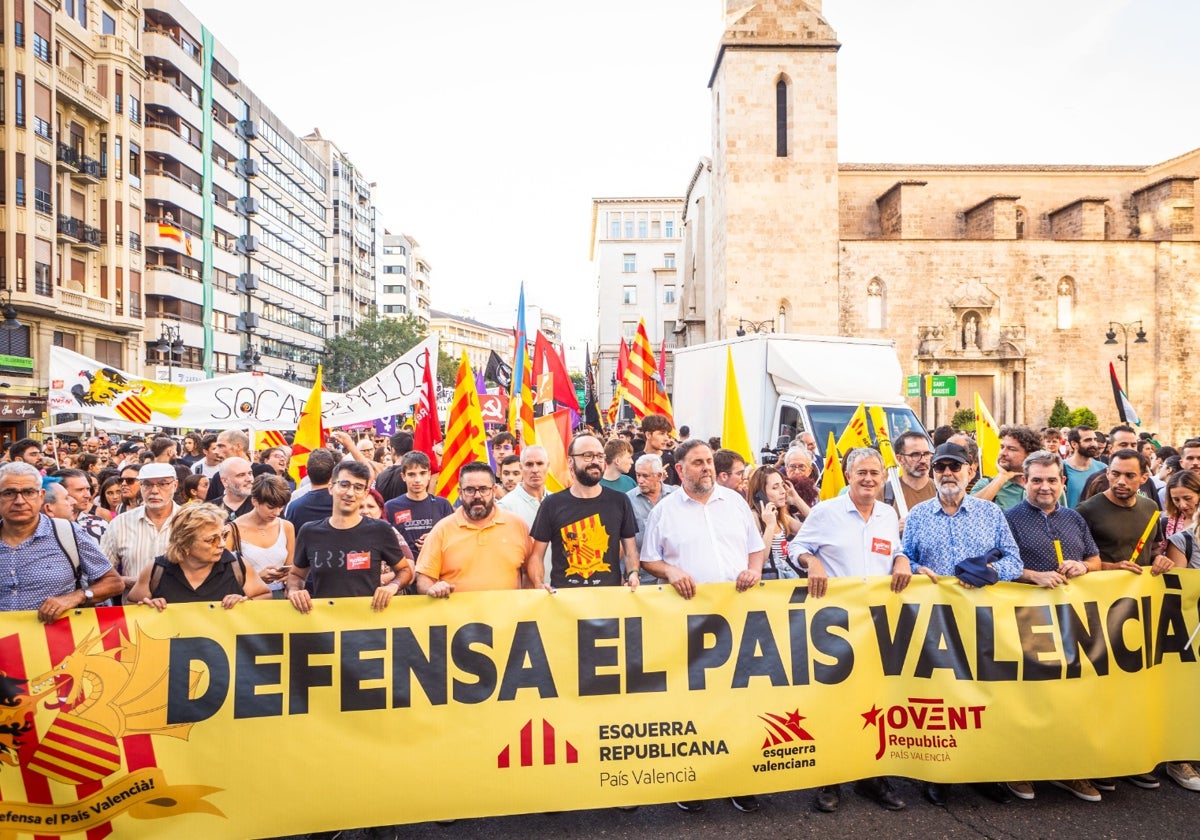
column 260, row 721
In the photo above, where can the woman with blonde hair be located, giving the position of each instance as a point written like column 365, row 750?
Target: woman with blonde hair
column 196, row 567
column 767, row 495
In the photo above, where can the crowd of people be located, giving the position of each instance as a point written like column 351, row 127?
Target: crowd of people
column 205, row 518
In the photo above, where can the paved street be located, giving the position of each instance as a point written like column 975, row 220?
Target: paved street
column 1129, row 813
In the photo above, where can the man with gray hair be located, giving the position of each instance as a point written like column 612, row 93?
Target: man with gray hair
column 854, row 535
column 137, row 536
column 525, row 499
column 42, row 575
column 57, row 503
column 650, row 490
column 237, row 476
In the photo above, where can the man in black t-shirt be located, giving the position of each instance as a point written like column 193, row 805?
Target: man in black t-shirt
column 586, row 527
column 346, row 553
column 416, row 512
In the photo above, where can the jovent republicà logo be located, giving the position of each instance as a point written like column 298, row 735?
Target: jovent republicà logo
column 915, row 730
column 549, row 748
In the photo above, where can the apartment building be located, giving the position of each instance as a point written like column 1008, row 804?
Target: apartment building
column 71, row 260
column 635, row 243
column 352, row 245
column 458, row 334
column 403, row 278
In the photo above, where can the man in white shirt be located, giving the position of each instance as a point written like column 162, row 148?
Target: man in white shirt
column 704, row 534
column 525, row 499
column 854, row 535
column 136, row 537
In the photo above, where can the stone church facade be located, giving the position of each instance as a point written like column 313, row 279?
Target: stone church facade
column 1006, row 276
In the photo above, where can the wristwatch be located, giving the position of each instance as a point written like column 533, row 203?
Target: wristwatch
column 88, row 596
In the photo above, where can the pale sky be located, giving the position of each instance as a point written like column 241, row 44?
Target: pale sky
column 489, row 126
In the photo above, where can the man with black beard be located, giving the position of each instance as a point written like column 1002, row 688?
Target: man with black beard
column 451, row 559
column 587, row 526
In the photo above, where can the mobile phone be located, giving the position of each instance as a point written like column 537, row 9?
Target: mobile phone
column 760, row 497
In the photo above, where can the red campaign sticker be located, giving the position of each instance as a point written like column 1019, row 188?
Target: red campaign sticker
column 879, row 546
column 402, row 516
column 357, row 561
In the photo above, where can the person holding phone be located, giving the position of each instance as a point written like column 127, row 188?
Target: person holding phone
column 767, row 494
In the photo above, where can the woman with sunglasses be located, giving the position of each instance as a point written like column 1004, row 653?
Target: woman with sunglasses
column 196, row 567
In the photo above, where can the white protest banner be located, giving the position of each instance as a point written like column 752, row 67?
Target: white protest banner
column 241, row 400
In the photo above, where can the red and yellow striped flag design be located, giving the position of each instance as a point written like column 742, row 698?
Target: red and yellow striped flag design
column 466, row 440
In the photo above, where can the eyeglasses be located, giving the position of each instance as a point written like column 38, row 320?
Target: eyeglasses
column 917, row 456
column 475, row 491
column 129, row 480
column 948, row 466
column 216, row 539
column 26, row 493
column 158, row 484
column 796, row 467
column 356, row 486
column 588, row 457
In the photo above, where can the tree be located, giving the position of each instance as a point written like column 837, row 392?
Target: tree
column 1083, row 416
column 447, row 369
column 578, row 381
column 1060, row 415
column 964, row 420
column 363, row 351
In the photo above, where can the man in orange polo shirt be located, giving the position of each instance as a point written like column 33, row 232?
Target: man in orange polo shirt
column 479, row 547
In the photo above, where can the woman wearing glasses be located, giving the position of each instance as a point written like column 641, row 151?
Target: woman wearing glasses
column 196, row 567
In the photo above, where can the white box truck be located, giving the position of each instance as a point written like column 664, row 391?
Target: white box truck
column 790, row 384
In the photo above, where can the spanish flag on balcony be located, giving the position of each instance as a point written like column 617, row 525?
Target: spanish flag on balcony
column 170, row 230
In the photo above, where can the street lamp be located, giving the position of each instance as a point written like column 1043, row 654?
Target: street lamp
column 170, row 344
column 9, row 311
column 289, row 373
column 767, row 326
column 1111, row 338
column 249, row 359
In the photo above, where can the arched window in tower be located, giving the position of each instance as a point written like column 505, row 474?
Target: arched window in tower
column 1020, row 223
column 781, row 118
column 875, row 304
column 1066, row 303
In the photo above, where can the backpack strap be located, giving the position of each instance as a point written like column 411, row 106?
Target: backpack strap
column 68, row 541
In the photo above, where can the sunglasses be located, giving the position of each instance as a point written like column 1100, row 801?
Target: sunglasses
column 948, row 466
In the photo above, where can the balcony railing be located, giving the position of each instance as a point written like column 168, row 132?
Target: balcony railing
column 41, row 128
column 68, row 155
column 76, row 229
column 43, row 287
column 42, row 201
column 135, row 242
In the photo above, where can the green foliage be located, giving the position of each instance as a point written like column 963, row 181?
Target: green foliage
column 578, row 381
column 1060, row 415
column 368, row 348
column 1083, row 416
column 447, row 369
column 964, row 420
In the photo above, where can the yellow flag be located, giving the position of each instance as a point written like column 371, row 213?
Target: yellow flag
column 883, row 436
column 733, row 423
column 163, row 397
column 856, row 433
column 832, row 477
column 310, row 434
column 987, row 435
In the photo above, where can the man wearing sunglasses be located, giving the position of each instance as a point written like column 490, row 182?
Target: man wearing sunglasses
column 954, row 529
column 140, row 534
column 37, row 572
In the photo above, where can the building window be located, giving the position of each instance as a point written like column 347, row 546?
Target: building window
column 668, row 260
column 394, row 290
column 19, row 103
column 668, row 294
column 629, row 229
column 64, row 340
column 629, row 330
column 395, row 309
column 630, row 263
column 614, row 229
column 20, row 179
column 117, row 159
column 629, row 295
column 395, row 269
column 781, row 118
column 135, row 164
column 642, row 234
column 669, row 226
column 41, row 33
column 41, row 187
column 108, row 26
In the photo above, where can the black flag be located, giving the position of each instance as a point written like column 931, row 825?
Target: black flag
column 498, row 372
column 591, row 411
